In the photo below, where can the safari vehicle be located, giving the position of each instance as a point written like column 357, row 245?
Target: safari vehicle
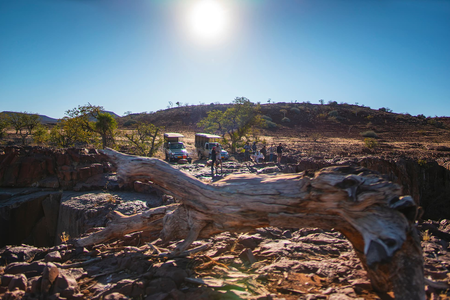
column 174, row 149
column 204, row 142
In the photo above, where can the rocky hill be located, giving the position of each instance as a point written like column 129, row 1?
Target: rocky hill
column 302, row 119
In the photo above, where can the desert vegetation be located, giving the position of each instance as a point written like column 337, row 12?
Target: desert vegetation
column 239, row 122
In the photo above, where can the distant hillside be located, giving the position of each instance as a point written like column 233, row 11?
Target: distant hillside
column 47, row 120
column 303, row 119
column 176, row 117
column 116, row 116
column 44, row 119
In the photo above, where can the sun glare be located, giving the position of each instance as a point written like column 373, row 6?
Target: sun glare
column 208, row 20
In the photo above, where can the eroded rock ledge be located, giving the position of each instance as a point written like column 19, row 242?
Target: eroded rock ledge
column 67, row 169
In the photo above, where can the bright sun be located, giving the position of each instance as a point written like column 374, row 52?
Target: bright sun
column 208, row 20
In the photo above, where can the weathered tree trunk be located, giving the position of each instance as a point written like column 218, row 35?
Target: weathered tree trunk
column 365, row 207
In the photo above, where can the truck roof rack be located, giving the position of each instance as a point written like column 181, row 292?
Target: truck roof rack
column 209, row 136
column 173, row 135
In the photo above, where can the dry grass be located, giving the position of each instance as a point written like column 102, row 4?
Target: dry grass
column 64, row 237
column 426, row 235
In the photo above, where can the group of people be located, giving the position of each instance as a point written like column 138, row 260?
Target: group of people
column 262, row 154
column 216, row 158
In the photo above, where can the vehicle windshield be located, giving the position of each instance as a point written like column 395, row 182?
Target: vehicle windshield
column 176, row 146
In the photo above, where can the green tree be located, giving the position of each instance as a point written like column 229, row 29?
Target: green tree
column 23, row 123
column 68, row 132
column 40, row 134
column 31, row 121
column 16, row 121
column 105, row 126
column 146, row 139
column 90, row 120
column 235, row 123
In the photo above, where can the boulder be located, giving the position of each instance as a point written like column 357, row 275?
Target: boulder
column 49, row 276
column 23, row 253
column 29, row 269
column 65, row 284
column 34, row 285
column 81, row 211
column 53, row 256
column 18, row 282
column 6, row 279
column 250, row 241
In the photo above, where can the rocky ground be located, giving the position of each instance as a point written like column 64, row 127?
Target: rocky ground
column 268, row 264
column 271, row 263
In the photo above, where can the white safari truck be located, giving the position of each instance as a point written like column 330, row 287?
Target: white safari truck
column 174, row 149
column 204, row 142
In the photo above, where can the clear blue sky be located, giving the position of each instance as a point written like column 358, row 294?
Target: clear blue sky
column 139, row 55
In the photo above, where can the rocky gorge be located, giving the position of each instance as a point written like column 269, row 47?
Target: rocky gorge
column 49, row 197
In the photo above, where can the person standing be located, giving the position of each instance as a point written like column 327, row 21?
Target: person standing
column 219, row 157
column 213, row 160
column 247, row 152
column 254, row 147
column 264, row 152
column 279, row 153
column 271, row 153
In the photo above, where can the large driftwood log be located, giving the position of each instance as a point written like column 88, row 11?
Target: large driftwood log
column 365, row 207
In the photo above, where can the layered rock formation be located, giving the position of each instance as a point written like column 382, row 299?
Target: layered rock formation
column 41, row 194
column 64, row 169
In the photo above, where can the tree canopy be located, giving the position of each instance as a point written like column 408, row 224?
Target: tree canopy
column 22, row 122
column 81, row 124
column 105, row 126
column 146, row 139
column 235, row 123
